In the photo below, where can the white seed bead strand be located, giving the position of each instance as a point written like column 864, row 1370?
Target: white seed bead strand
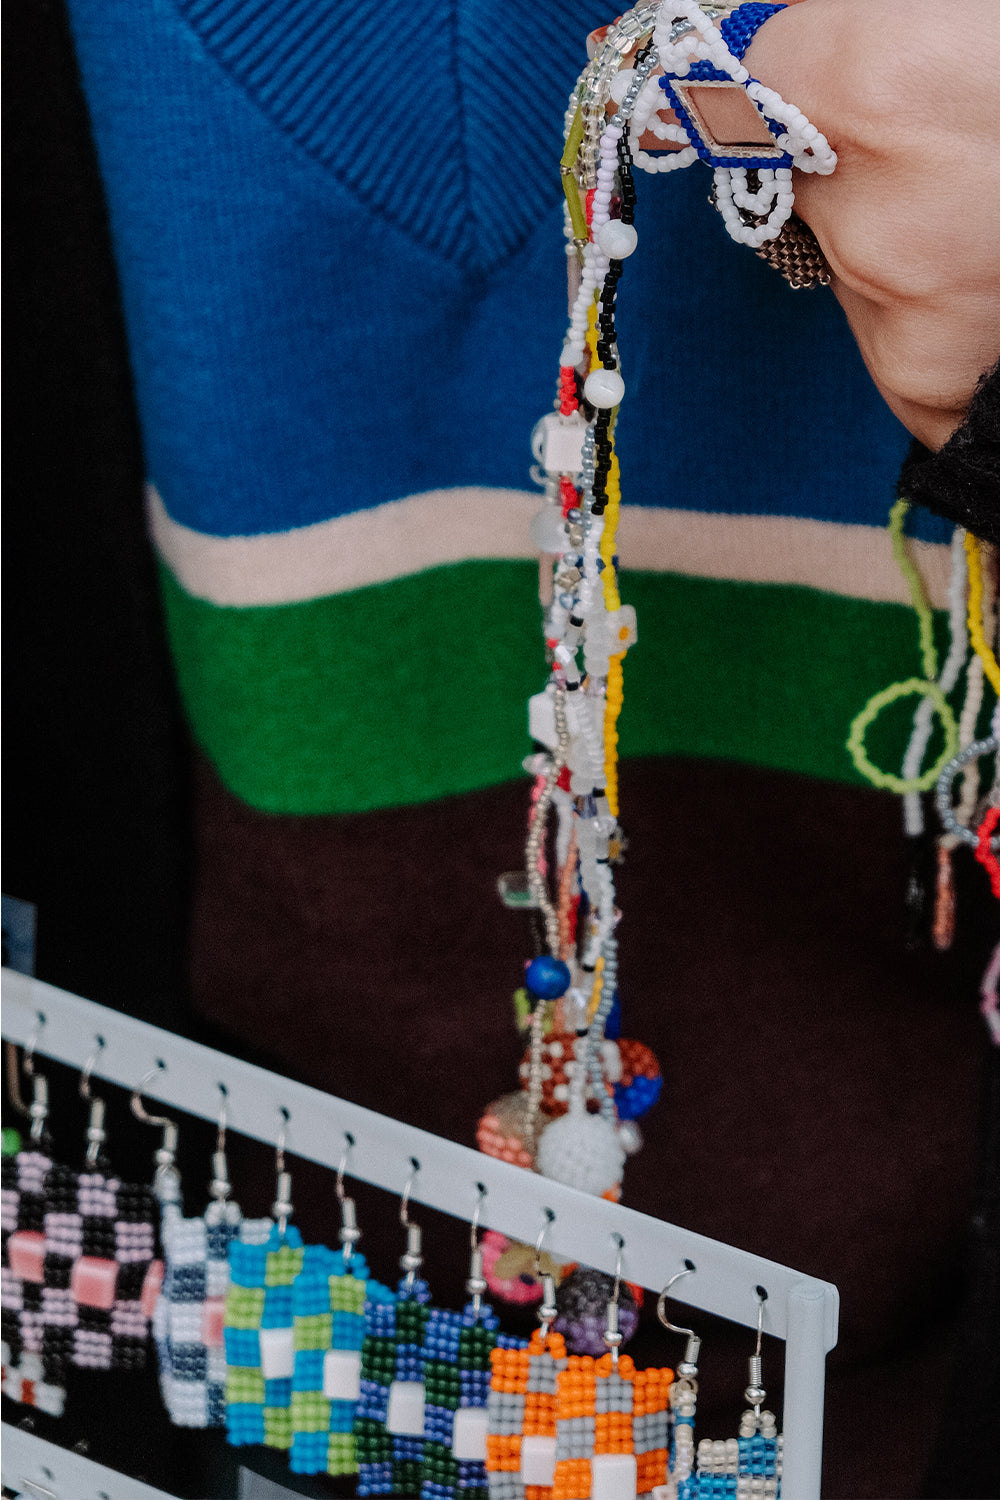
column 576, row 336
column 753, row 235
column 565, row 818
column 808, row 147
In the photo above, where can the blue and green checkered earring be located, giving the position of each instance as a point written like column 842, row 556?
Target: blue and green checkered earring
column 258, row 1330
column 329, row 1300
column 389, row 1426
column 457, row 1384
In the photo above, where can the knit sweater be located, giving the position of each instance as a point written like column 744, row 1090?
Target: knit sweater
column 340, row 250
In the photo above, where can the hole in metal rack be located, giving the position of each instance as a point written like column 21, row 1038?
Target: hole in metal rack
column 348, row 1137
column 689, row 1265
column 223, row 1089
column 761, row 1292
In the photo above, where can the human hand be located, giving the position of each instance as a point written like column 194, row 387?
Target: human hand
column 906, row 92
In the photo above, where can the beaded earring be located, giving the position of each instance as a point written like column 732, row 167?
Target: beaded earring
column 521, row 1408
column 100, row 1279
column 683, row 1401
column 747, row 1467
column 457, row 1380
column 258, row 1325
column 31, row 1375
column 329, row 1299
column 389, row 1425
column 190, row 1312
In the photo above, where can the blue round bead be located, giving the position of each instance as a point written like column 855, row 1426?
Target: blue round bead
column 546, row 977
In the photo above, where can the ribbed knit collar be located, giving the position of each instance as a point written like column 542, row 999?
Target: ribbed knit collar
column 429, row 113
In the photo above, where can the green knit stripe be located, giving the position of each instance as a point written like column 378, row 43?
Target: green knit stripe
column 415, row 689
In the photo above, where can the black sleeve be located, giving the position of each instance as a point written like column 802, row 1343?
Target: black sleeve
column 962, row 481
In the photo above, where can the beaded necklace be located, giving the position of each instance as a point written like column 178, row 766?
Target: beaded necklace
column 648, row 61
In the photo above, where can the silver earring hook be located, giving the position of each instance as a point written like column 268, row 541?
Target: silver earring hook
column 612, row 1333
column 349, row 1233
column 618, row 1267
column 281, row 1208
column 96, row 1134
column 139, row 1109
column 413, row 1259
column 404, row 1202
column 548, row 1311
column 28, row 1061
column 219, row 1186
column 476, row 1284
column 166, row 1180
column 550, row 1219
column 88, row 1068
column 755, row 1392
column 349, row 1139
column 481, row 1196
column 688, row 1366
column 37, row 1111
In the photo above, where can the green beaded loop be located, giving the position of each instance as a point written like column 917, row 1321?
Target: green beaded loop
column 856, row 739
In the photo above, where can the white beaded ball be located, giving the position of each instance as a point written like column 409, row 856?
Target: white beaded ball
column 604, row 388
column 583, row 1151
column 617, row 240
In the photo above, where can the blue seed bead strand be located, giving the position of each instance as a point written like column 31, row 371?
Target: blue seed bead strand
column 741, row 25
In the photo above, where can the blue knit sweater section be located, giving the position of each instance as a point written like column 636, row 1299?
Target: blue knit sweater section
column 338, row 231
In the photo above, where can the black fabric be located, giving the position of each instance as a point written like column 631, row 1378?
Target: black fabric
column 97, row 804
column 962, row 481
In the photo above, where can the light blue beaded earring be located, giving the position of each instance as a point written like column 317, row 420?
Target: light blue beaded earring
column 747, row 1467
column 683, row 1401
column 258, row 1325
column 329, row 1298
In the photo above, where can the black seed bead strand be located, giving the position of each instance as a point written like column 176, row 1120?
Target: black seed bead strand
column 607, row 343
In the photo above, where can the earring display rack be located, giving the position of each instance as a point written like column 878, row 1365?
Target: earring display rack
column 40, row 1470
column 799, row 1309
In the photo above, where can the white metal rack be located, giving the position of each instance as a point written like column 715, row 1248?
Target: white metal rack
column 39, row 1470
column 801, row 1310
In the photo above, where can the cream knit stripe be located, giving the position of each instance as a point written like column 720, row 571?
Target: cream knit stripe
column 407, row 536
